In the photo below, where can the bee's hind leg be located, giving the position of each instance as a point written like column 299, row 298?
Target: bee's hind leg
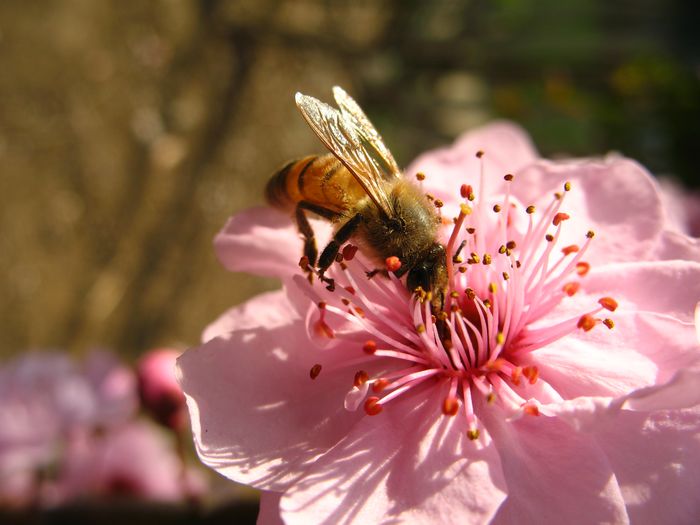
column 307, row 232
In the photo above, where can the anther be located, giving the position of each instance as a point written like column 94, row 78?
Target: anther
column 473, row 434
column 496, row 208
column 505, row 276
column 349, row 252
column 315, row 370
column 361, row 377
column 479, row 154
column 464, row 209
column 586, row 322
column 531, row 410
column 582, row 268
column 454, row 295
column 608, row 303
column 370, row 347
column 532, row 373
column 590, row 234
column 471, row 230
column 559, row 218
column 420, row 328
column 380, row 384
column 450, row 406
column 530, row 210
column 372, row 406
column 493, row 288
column 510, row 245
column 487, row 259
column 420, row 176
column 571, row 288
column 471, row 294
column 549, row 237
column 568, row 250
column 438, row 203
column 567, row 186
column 508, row 177
column 393, row 263
column 609, row 323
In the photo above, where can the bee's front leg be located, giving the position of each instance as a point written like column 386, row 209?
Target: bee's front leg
column 341, row 236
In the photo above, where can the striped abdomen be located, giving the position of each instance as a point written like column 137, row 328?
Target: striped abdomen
column 319, row 180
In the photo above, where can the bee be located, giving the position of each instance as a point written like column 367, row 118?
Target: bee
column 360, row 189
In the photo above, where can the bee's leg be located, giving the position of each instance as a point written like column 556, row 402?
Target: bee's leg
column 385, row 273
column 310, row 250
column 341, row 236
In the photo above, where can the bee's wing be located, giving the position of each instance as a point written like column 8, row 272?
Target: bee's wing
column 370, row 136
column 341, row 135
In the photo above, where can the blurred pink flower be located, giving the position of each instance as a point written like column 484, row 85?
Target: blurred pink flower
column 545, row 400
column 45, row 398
column 160, row 392
column 135, row 460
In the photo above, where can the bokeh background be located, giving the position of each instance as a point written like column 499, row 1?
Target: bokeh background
column 130, row 131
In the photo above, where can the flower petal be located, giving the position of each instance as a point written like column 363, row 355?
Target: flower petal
column 615, row 197
column 656, row 459
column 257, row 416
column 652, row 338
column 268, row 309
column 554, row 473
column 409, row 464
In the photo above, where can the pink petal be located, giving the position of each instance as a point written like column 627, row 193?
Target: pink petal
column 261, row 241
column 674, row 245
column 257, row 417
column 614, row 197
column 252, row 314
column 554, row 473
column 656, row 459
column 651, row 340
column 409, row 464
column 507, row 149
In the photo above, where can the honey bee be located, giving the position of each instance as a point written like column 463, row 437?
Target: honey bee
column 360, row 189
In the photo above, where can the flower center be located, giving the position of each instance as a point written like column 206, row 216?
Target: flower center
column 506, row 272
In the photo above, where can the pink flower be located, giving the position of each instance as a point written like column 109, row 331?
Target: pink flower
column 541, row 396
column 160, row 392
column 45, row 398
column 136, row 460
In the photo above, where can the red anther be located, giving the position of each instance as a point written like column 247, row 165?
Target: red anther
column 304, row 262
column 586, row 322
column 322, row 329
column 380, row 384
column 496, row 365
column 369, row 347
column 350, row 289
column 420, row 176
column 361, row 377
column 582, row 268
column 608, row 303
column 515, row 375
column 393, row 263
column 571, row 288
column 359, row 312
column 531, row 410
column 473, row 434
column 372, row 406
column 450, row 406
column 315, row 370
column 532, row 373
column 479, row 154
column 349, row 251
column 568, row 250
column 559, row 218
column 465, row 190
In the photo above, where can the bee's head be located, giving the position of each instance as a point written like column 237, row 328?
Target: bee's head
column 430, row 273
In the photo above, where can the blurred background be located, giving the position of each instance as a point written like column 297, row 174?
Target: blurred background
column 130, row 131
